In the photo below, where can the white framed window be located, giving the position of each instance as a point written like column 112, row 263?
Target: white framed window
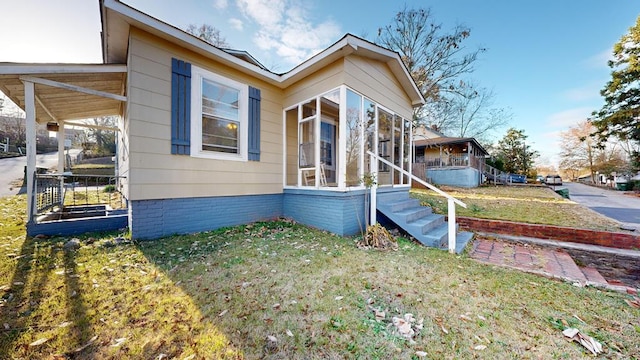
column 219, row 116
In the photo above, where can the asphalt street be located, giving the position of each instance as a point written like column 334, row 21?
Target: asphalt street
column 610, row 203
column 12, row 170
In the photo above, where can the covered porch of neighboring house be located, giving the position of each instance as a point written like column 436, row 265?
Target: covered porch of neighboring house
column 450, row 161
column 62, row 203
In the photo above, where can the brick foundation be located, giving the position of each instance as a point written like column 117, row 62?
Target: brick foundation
column 583, row 236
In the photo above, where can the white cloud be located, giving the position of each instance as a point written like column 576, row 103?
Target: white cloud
column 587, row 92
column 566, row 118
column 220, row 4
column 287, row 29
column 599, row 60
column 236, row 24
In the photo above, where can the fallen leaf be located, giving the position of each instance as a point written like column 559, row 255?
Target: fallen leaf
column 119, row 342
column 635, row 302
column 39, row 342
column 91, row 341
column 587, row 341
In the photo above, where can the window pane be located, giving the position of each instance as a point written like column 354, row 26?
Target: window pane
column 309, row 109
column 219, row 100
column 407, row 147
column 220, row 135
column 385, row 149
column 307, row 144
column 397, row 148
column 369, row 130
column 354, row 137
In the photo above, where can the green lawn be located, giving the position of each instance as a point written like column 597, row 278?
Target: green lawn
column 535, row 205
column 280, row 290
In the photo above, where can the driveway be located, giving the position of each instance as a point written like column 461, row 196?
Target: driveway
column 610, row 203
column 12, row 170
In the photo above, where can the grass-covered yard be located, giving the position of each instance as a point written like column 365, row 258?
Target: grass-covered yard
column 279, row 290
column 529, row 204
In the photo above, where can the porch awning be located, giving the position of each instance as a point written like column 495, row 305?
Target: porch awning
column 67, row 91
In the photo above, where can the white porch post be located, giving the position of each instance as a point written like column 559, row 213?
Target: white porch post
column 60, row 135
column 452, row 225
column 374, row 189
column 342, row 140
column 30, row 110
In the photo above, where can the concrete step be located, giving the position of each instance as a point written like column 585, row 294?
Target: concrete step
column 403, row 204
column 414, row 214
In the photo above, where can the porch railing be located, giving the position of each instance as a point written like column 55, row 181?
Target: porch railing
column 55, row 194
column 451, row 201
column 451, row 160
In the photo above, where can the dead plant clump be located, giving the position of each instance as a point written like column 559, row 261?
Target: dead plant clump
column 377, row 237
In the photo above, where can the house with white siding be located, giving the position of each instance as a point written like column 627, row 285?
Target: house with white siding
column 208, row 137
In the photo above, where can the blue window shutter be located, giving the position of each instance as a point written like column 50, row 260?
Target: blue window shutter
column 254, row 124
column 180, row 107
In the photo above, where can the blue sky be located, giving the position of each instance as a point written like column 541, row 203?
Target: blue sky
column 546, row 59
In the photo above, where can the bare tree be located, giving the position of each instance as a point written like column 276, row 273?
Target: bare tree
column 474, row 115
column 209, row 34
column 578, row 149
column 435, row 58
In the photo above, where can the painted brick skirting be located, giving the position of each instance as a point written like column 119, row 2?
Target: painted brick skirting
column 150, row 219
column 583, row 236
column 341, row 213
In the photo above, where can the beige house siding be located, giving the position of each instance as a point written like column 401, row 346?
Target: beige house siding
column 316, row 84
column 375, row 80
column 154, row 172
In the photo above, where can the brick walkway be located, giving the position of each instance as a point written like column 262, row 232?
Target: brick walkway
column 552, row 263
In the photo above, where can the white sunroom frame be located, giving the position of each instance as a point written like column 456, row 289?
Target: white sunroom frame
column 341, row 169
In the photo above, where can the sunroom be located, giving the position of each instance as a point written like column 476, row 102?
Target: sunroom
column 327, row 138
column 326, row 142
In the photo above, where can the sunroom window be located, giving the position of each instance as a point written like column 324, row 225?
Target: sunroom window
column 219, row 116
column 327, row 137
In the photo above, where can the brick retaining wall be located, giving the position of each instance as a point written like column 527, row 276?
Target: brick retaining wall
column 583, row 236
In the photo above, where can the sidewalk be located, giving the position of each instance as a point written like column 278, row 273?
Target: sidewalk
column 550, row 263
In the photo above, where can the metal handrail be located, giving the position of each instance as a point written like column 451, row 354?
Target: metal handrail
column 451, row 201
column 50, row 191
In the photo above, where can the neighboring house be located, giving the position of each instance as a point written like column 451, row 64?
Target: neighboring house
column 209, row 138
column 448, row 160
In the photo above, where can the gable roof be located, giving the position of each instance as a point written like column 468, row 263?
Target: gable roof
column 448, row 141
column 117, row 18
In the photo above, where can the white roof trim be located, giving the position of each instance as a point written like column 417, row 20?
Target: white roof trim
column 26, row 69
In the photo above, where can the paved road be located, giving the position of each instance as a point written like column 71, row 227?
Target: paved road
column 12, row 170
column 610, row 203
